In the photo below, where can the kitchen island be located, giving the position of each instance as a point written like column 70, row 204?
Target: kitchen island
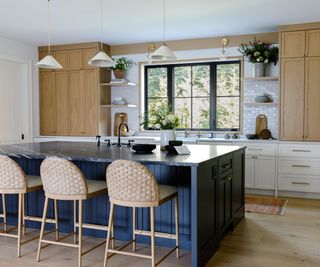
column 210, row 185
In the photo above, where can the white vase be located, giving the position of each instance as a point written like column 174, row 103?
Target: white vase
column 166, row 136
column 258, row 69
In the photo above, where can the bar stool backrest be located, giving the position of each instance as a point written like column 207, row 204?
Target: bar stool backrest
column 62, row 179
column 12, row 177
column 131, row 184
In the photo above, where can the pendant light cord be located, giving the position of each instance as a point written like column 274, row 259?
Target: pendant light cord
column 49, row 28
column 101, row 48
column 164, row 21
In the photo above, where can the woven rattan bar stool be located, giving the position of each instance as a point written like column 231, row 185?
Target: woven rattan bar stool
column 131, row 184
column 14, row 181
column 63, row 180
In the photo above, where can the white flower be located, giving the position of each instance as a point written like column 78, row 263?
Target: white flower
column 258, row 59
column 256, row 54
column 171, row 118
column 157, row 126
column 164, row 122
column 266, row 61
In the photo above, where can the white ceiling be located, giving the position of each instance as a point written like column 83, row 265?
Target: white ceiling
column 133, row 21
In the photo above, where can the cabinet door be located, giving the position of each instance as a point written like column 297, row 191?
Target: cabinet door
column 76, row 103
column 87, row 54
column 313, row 43
column 292, row 99
column 293, row 44
column 75, row 59
column 48, row 104
column 312, row 107
column 91, row 102
column 249, row 172
column 61, row 85
column 62, row 58
column 265, row 171
column 224, row 202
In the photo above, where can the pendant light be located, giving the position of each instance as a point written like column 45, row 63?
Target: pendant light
column 224, row 43
column 49, row 61
column 163, row 52
column 101, row 60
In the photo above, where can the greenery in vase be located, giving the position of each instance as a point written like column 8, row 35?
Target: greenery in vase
column 162, row 119
column 260, row 52
column 123, row 64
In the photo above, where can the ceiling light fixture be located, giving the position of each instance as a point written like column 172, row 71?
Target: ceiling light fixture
column 163, row 52
column 224, row 42
column 49, row 62
column 101, row 60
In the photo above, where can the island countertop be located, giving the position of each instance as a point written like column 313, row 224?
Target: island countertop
column 85, row 151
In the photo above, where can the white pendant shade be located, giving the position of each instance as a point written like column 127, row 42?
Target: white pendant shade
column 101, row 60
column 163, row 53
column 49, row 62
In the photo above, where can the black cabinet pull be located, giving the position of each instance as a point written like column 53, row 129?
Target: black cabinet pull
column 228, row 178
column 227, row 165
column 214, row 173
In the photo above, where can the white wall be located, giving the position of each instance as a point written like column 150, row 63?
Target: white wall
column 10, row 49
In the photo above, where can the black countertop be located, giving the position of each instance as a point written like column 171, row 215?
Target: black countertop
column 87, row 151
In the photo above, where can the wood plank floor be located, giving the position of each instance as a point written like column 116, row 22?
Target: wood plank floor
column 260, row 240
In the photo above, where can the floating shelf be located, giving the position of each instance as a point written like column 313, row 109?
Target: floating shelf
column 261, row 79
column 261, row 104
column 119, row 106
column 119, row 84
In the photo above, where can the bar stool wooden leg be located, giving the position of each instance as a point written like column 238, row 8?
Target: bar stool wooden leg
column 80, row 234
column 109, row 233
column 153, row 262
column 23, row 214
column 42, row 226
column 112, row 235
column 177, row 226
column 134, row 216
column 19, row 224
column 4, row 212
column 74, row 221
column 56, row 218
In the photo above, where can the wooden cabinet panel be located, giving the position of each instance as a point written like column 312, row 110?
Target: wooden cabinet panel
column 237, row 181
column 75, row 59
column 292, row 99
column 313, row 43
column 91, row 102
column 61, row 85
column 293, row 44
column 87, row 54
column 264, row 172
column 312, row 106
column 76, row 96
column 48, row 104
column 62, row 58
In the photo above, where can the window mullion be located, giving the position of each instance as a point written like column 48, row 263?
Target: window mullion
column 170, row 87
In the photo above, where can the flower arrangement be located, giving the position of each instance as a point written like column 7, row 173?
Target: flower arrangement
column 260, row 52
column 162, row 119
column 123, row 64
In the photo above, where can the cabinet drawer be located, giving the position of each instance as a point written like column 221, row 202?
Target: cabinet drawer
column 260, row 149
column 299, row 166
column 225, row 165
column 299, row 183
column 299, row 150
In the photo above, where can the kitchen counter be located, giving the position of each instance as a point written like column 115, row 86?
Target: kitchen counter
column 210, row 183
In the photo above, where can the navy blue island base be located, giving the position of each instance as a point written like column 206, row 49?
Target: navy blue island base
column 210, row 185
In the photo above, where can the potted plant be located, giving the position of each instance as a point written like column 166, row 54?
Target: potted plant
column 121, row 66
column 259, row 53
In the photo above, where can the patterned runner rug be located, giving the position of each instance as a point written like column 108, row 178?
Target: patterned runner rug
column 266, row 205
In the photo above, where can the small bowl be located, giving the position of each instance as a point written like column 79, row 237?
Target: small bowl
column 143, row 148
column 251, row 136
column 175, row 143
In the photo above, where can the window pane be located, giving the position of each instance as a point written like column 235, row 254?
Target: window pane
column 201, row 113
column 157, row 82
column 201, row 80
column 182, row 108
column 228, row 80
column 182, row 81
column 228, row 112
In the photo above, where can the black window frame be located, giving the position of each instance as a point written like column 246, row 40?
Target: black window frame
column 213, row 89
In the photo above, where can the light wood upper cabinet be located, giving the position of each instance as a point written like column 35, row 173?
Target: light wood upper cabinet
column 293, row 44
column 313, row 43
column 75, row 59
column 292, row 99
column 62, row 58
column 76, row 103
column 61, row 85
column 91, row 102
column 48, row 104
column 312, row 110
column 87, row 54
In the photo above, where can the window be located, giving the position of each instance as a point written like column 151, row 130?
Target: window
column 205, row 96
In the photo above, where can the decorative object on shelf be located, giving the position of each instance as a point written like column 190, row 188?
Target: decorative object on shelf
column 261, row 123
column 49, row 62
column 119, row 117
column 263, row 98
column 224, row 43
column 101, row 60
column 251, row 136
column 119, row 101
column 260, row 54
column 121, row 66
column 163, row 52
